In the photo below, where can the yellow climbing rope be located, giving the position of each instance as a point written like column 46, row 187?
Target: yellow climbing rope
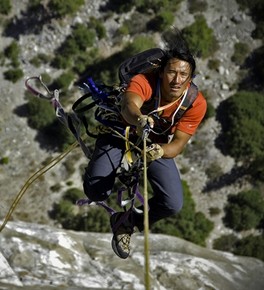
column 34, row 177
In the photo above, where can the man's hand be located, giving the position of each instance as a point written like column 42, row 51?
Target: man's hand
column 153, row 152
column 143, row 121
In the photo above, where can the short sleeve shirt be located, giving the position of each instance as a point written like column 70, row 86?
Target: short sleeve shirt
column 145, row 87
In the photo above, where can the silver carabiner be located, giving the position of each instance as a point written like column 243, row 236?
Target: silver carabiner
column 50, row 95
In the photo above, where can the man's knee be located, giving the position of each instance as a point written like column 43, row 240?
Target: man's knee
column 95, row 190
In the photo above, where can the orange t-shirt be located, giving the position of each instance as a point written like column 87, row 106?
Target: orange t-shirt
column 145, row 86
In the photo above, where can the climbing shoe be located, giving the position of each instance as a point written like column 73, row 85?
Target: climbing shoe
column 122, row 230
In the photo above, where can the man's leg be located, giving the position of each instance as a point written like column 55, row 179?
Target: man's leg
column 99, row 177
column 167, row 199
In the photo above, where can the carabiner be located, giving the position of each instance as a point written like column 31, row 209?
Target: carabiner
column 34, row 91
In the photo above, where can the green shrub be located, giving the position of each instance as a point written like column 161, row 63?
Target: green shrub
column 136, row 24
column 5, row 7
column 13, row 75
column 242, row 120
column 256, row 169
column 84, row 59
column 12, row 53
column 241, row 51
column 154, row 6
column 73, row 194
column 162, row 21
column 63, row 7
column 4, row 160
column 210, row 111
column 244, row 211
column 139, row 44
column 251, row 246
column 120, row 6
column 197, row 6
column 98, row 27
column 200, row 37
column 71, row 216
column 225, row 243
column 106, row 70
column 213, row 64
column 40, row 113
column 214, row 171
column 213, row 211
column 74, row 45
column 40, row 59
column 64, row 80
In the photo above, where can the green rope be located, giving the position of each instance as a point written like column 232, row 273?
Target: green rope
column 34, row 177
column 146, row 219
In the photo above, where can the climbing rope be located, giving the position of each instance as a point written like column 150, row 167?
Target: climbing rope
column 34, row 177
column 146, row 217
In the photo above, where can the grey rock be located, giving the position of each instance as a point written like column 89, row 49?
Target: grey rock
column 42, row 256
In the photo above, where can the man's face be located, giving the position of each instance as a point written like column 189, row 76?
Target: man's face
column 175, row 79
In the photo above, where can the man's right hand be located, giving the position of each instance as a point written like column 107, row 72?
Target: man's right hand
column 144, row 120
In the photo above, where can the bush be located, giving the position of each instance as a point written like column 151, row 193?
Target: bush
column 40, row 113
column 225, row 243
column 64, row 81
column 106, row 70
column 244, row 211
column 154, row 6
column 40, row 59
column 63, row 7
column 161, row 21
column 251, row 246
column 200, row 37
column 13, row 75
column 136, row 24
column 241, row 50
column 5, row 7
column 12, row 53
column 76, row 44
column 98, row 27
column 242, row 120
column 4, row 160
column 213, row 64
column 120, row 6
column 210, row 112
column 197, row 6
column 214, row 171
column 92, row 218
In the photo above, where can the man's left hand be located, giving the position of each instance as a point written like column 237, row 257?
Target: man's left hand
column 153, row 152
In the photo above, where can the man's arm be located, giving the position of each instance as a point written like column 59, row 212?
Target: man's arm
column 175, row 147
column 130, row 107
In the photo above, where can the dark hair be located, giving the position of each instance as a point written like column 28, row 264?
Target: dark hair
column 177, row 47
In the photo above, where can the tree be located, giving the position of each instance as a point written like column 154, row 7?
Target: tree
column 242, row 120
column 244, row 211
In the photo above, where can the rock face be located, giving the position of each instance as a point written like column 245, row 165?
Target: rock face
column 42, row 257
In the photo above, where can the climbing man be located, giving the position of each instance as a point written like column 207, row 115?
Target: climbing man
column 151, row 100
